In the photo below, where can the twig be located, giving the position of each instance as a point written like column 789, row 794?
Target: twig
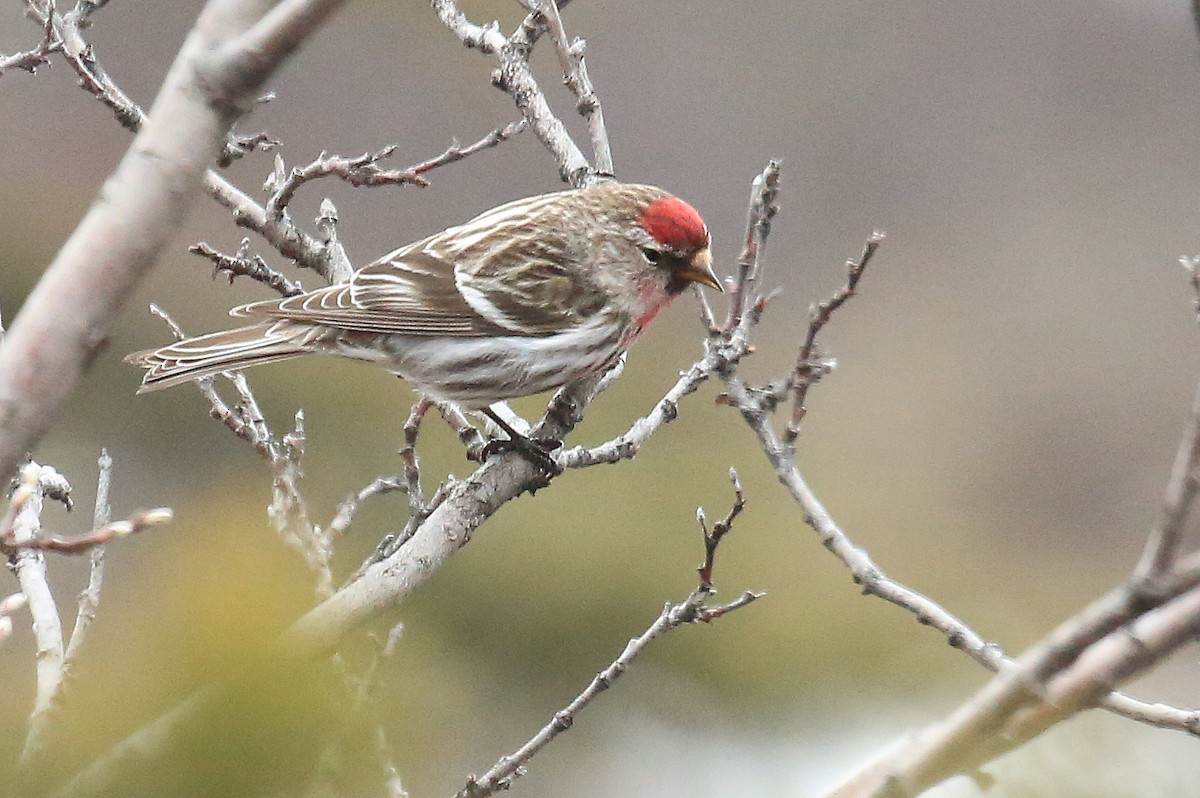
column 454, row 153
column 809, row 367
column 693, row 609
column 712, row 539
column 575, row 76
column 239, row 265
column 79, row 544
column 515, row 78
column 288, row 511
column 764, row 194
column 67, row 316
column 25, row 509
column 363, row 170
column 1178, row 498
column 349, row 506
column 30, row 60
column 89, row 597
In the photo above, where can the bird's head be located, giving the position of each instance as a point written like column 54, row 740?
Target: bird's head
column 677, row 241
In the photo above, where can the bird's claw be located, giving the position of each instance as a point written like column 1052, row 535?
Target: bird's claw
column 535, row 450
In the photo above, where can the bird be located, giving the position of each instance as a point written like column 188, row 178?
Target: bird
column 526, row 297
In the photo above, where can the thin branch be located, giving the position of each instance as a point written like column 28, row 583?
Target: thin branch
column 241, row 266
column 713, row 538
column 515, row 78
column 809, row 366
column 30, row 60
column 454, row 153
column 363, row 170
column 1178, row 498
column 86, row 542
column 142, row 205
column 351, row 504
column 575, row 76
column 693, row 609
column 25, row 509
column 764, row 204
column 89, row 597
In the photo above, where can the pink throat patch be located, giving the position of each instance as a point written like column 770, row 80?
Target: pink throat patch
column 675, row 224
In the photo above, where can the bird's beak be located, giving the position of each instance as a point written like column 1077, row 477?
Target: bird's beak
column 699, row 270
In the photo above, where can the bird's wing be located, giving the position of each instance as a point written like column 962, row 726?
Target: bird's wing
column 519, row 287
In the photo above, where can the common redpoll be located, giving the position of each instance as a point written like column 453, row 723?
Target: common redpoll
column 526, row 297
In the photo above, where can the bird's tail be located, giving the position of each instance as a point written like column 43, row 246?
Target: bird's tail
column 203, row 356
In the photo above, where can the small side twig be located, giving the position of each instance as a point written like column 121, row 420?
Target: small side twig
column 713, row 538
column 239, row 265
column 1178, row 498
column 455, row 153
column 693, row 609
column 363, row 170
column 21, row 524
column 79, row 544
column 809, row 366
column 30, row 60
column 349, row 506
column 575, row 76
column 764, row 204
column 89, row 597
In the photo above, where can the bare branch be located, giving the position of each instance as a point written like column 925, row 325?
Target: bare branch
column 810, row 367
column 89, row 597
column 993, row 722
column 575, row 76
column 515, row 78
column 239, row 265
column 508, row 768
column 21, row 526
column 363, row 170
column 720, row 529
column 764, row 194
column 142, row 205
column 349, row 506
column 1177, row 501
column 30, row 60
column 454, row 153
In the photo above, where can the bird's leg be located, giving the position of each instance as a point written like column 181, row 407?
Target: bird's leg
column 535, row 450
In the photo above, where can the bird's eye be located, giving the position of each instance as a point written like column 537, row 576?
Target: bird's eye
column 652, row 256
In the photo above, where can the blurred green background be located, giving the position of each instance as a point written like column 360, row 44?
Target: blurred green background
column 1012, row 382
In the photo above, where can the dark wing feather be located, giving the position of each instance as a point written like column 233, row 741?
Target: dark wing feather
column 510, row 285
column 407, row 293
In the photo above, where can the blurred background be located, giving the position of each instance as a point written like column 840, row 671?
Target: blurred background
column 1012, row 383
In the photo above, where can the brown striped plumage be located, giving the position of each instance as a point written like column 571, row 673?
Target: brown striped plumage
column 526, row 297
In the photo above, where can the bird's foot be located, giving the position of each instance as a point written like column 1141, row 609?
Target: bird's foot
column 535, row 450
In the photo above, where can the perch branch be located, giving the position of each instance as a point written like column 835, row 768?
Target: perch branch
column 693, row 609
